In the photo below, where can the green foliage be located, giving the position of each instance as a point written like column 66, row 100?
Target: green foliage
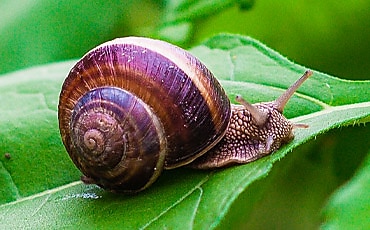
column 349, row 207
column 327, row 35
column 40, row 187
column 43, row 184
column 34, row 32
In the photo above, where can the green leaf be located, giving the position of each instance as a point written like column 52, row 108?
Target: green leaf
column 189, row 10
column 34, row 32
column 43, row 184
column 181, row 16
column 29, row 133
column 349, row 207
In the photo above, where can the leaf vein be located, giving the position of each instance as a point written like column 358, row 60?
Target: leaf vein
column 205, row 179
column 196, row 208
column 11, row 182
column 331, row 110
column 42, row 204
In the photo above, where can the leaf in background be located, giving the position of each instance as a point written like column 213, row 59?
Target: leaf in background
column 181, row 197
column 190, row 10
column 34, row 32
column 349, row 207
column 180, row 16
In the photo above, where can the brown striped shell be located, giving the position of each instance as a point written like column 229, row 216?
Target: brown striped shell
column 133, row 106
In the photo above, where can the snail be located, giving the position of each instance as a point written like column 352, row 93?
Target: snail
column 134, row 106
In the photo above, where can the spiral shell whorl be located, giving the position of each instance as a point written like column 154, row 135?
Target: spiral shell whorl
column 95, row 130
column 114, row 134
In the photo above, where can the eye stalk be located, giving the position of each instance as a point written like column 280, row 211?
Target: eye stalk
column 284, row 98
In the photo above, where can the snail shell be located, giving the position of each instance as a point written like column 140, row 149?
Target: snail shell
column 133, row 106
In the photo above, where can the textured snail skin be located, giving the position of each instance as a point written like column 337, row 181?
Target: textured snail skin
column 254, row 131
column 245, row 141
column 133, row 106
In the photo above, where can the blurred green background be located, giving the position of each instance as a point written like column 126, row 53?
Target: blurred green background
column 329, row 36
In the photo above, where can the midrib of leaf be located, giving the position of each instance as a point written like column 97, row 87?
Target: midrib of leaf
column 44, row 193
column 312, row 99
column 298, row 94
column 331, row 109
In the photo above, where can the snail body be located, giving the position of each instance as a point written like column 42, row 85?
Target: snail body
column 134, row 106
